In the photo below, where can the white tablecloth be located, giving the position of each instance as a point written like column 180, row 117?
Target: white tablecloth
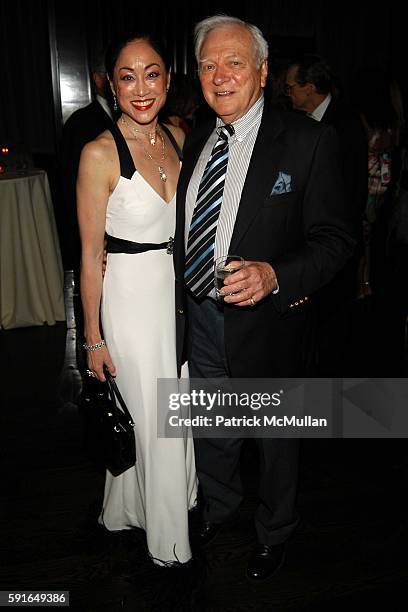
column 31, row 273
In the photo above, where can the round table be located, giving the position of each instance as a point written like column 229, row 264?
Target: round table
column 31, row 273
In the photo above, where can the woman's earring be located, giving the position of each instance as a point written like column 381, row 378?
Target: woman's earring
column 115, row 103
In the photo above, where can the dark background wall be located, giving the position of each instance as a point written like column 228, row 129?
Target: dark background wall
column 26, row 92
column 45, row 46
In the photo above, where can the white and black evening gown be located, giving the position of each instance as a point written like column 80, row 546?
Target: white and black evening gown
column 138, row 319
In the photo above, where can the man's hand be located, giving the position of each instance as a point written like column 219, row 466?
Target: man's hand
column 254, row 281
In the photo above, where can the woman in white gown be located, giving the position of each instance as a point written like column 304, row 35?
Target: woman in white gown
column 126, row 188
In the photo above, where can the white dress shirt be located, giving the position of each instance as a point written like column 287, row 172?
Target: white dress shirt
column 319, row 111
column 241, row 145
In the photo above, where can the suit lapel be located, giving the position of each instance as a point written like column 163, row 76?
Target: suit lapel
column 103, row 117
column 262, row 173
column 191, row 153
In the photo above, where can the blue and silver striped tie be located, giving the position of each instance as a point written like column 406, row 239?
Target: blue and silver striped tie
column 199, row 270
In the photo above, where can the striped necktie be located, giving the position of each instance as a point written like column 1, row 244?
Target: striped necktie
column 199, row 272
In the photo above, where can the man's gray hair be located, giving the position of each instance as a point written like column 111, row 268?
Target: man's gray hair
column 204, row 27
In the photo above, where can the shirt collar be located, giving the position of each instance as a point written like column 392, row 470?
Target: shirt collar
column 245, row 124
column 103, row 102
column 319, row 111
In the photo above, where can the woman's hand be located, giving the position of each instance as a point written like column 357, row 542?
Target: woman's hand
column 99, row 359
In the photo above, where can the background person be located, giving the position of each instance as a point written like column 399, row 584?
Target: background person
column 312, row 88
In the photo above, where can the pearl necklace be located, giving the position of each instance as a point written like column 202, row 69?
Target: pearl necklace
column 163, row 175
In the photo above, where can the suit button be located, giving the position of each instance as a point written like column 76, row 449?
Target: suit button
column 180, row 311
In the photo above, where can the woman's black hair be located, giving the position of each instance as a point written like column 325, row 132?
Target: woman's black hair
column 115, row 47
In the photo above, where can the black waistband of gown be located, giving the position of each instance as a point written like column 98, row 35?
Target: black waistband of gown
column 118, row 245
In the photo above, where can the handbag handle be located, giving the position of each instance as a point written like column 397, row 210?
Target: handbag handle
column 115, row 393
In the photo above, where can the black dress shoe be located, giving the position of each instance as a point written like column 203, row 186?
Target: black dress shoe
column 265, row 561
column 207, row 533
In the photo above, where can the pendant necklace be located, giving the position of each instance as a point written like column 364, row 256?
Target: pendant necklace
column 152, row 136
column 162, row 172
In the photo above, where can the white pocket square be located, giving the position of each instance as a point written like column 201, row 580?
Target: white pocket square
column 283, row 184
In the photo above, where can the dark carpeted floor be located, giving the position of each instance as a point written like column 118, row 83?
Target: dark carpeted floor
column 349, row 552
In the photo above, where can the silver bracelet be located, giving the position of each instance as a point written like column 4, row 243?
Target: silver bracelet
column 94, row 347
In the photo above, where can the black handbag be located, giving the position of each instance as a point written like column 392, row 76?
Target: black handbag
column 108, row 427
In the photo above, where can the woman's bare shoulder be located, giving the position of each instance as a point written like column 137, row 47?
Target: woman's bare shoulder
column 102, row 150
column 100, row 146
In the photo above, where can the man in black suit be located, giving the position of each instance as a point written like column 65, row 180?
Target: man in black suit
column 81, row 127
column 280, row 205
column 310, row 84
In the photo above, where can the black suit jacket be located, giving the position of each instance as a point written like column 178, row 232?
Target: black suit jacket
column 353, row 149
column 80, row 128
column 305, row 235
